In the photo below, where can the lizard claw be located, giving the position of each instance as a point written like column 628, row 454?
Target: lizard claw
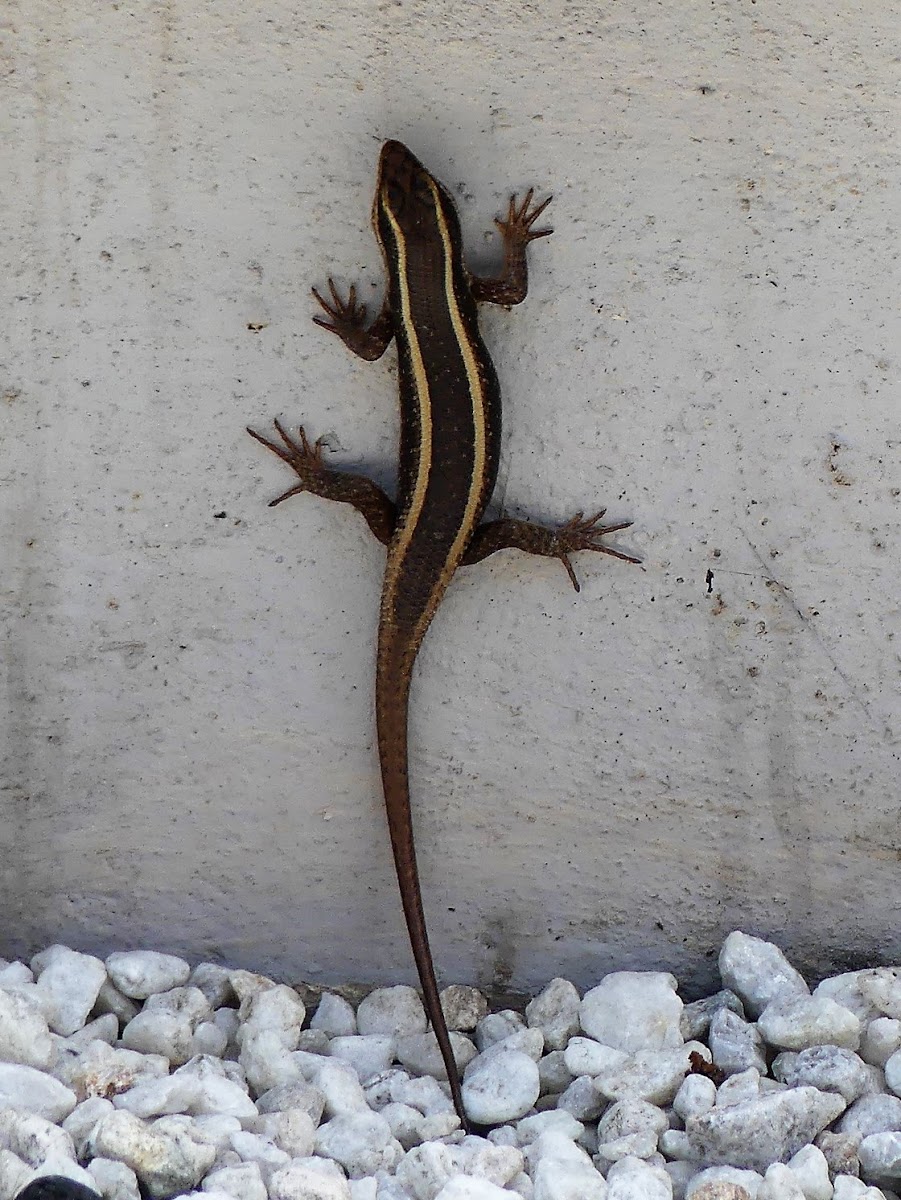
column 580, row 533
column 345, row 315
column 520, row 219
column 304, row 456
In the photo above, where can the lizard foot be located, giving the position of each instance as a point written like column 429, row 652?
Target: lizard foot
column 517, row 229
column 303, row 456
column 581, row 533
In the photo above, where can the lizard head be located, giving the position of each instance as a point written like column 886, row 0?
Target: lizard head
column 410, row 204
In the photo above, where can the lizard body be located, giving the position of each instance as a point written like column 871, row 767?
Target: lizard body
column 450, row 434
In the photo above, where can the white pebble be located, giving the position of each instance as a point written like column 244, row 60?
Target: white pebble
column 465, row 1187
column 882, row 987
column 391, row 1011
column 758, row 971
column 554, row 1074
column 425, row 1094
column 500, row 1086
column 879, row 1113
column 633, row 1179
column 104, row 1029
column 82, row 1120
column 780, row 1183
column 113, row 1179
column 738, row 1088
column 419, row 1053
column 102, row 1070
column 154, row 1097
column 812, row 1172
column 111, row 1000
column 676, row 1144
column 67, row 984
column 252, row 1147
column 334, row 1016
column 340, row 1088
column 582, row 1099
column 266, row 1061
column 298, row 1094
column 849, row 1187
column 244, row 1182
column 880, row 1154
column 800, row 1022
column 497, row 1026
column 633, row 1010
column 498, row 1163
column 24, row 1033
column 14, row 1174
column 893, row 1072
column 750, row 1181
column 278, row 1009
column 531, row 1128
column 164, row 1157
column 361, row 1142
column 555, row 1011
column 30, row 1090
column 424, row 1170
column 649, row 1075
column 213, row 981
column 309, row 1179
column 143, row 973
column 166, row 1024
column 880, row 1040
column 65, row 1168
column 209, row 1038
column 368, row 1054
column 696, row 1094
column 585, row 1056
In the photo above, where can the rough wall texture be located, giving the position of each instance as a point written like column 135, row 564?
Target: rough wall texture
column 710, row 347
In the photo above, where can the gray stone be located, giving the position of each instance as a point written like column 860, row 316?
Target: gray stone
column 463, row 1007
column 735, row 1044
column 880, row 1155
column 769, row 1129
column 871, row 1114
column 829, row 1068
column 696, row 1017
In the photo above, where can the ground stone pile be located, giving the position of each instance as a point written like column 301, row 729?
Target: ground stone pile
column 141, row 1078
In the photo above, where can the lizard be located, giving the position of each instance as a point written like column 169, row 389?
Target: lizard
column 450, row 410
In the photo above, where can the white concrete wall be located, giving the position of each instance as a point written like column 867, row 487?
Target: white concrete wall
column 710, row 347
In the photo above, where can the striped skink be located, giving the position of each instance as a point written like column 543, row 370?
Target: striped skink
column 450, row 408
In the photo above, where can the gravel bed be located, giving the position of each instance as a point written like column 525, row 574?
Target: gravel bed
column 140, row 1077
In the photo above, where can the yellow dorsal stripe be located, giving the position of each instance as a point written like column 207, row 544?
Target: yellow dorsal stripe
column 476, row 389
column 423, row 399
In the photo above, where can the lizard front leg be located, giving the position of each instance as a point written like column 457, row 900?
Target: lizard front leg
column 344, row 486
column 511, row 285
column 578, row 533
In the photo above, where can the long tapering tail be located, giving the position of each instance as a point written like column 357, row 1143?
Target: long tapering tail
column 392, row 708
